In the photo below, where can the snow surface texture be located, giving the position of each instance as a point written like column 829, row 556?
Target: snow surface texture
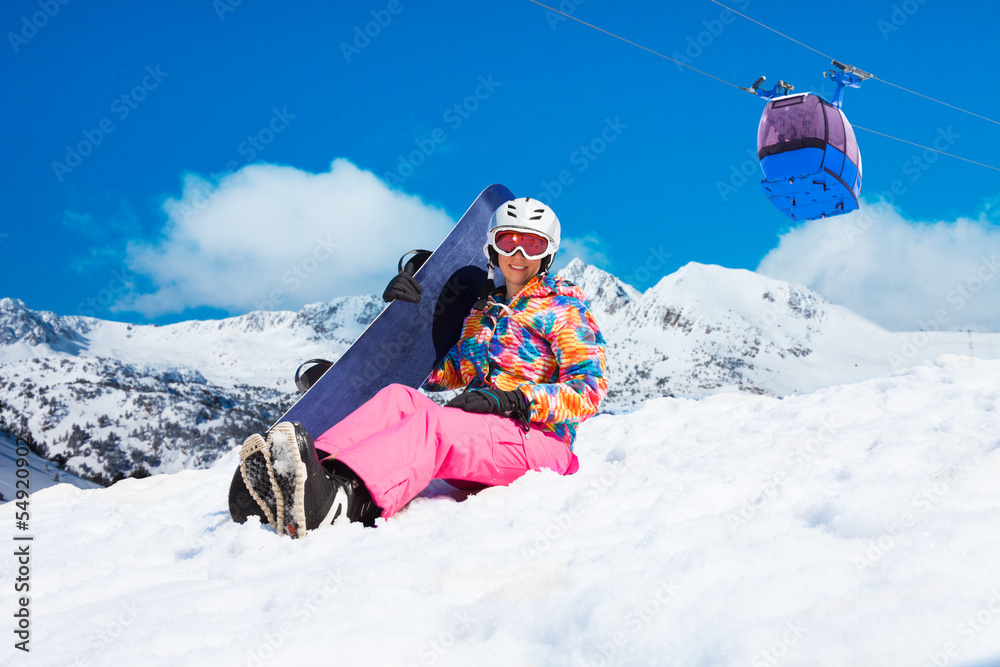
column 856, row 525
column 113, row 398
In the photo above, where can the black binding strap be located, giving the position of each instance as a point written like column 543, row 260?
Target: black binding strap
column 305, row 380
column 419, row 257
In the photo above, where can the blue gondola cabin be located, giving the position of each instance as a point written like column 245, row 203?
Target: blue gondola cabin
column 810, row 158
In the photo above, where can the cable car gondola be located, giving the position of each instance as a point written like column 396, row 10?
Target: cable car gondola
column 808, row 151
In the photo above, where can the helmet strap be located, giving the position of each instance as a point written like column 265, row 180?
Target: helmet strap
column 488, row 288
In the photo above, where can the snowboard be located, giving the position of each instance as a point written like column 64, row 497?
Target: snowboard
column 406, row 341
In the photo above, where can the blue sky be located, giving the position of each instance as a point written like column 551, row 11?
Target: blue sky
column 166, row 161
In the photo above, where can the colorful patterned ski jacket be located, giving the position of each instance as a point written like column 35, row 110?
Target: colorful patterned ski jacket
column 548, row 346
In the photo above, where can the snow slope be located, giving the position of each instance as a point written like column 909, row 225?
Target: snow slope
column 42, row 472
column 856, row 525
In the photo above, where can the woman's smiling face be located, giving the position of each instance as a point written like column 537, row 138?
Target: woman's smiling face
column 518, row 270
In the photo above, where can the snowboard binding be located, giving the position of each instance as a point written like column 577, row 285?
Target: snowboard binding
column 307, row 377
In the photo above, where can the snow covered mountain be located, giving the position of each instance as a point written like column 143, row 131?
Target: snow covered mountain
column 855, row 525
column 706, row 329
column 108, row 399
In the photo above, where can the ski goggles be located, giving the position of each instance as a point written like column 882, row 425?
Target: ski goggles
column 508, row 242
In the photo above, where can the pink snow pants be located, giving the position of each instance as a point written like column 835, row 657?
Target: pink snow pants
column 400, row 440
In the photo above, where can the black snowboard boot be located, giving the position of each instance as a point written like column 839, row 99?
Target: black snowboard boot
column 242, row 505
column 293, row 491
column 256, row 490
column 352, row 501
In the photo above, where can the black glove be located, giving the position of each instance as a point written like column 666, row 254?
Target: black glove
column 511, row 404
column 404, row 286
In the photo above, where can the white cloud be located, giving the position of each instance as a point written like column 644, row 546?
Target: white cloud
column 901, row 274
column 275, row 238
column 589, row 248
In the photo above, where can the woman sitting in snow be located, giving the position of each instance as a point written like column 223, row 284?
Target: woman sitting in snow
column 532, row 366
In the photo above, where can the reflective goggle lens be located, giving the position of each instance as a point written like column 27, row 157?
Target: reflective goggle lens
column 532, row 245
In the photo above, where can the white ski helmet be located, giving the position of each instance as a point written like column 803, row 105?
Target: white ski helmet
column 529, row 215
